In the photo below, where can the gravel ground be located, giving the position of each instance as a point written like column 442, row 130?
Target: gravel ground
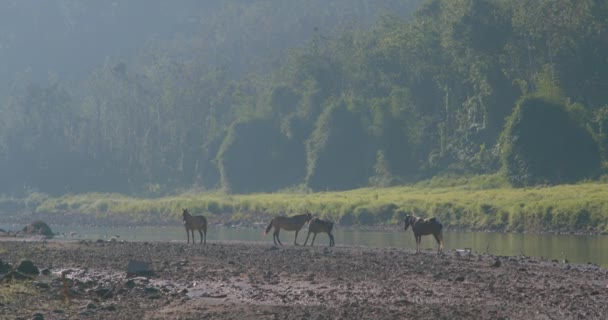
column 232, row 280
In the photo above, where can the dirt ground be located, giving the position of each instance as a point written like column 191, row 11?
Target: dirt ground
column 245, row 280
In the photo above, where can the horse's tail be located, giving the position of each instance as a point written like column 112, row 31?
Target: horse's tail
column 269, row 227
column 436, row 222
column 440, row 235
column 330, row 226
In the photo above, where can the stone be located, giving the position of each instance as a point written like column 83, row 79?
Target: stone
column 137, row 268
column 38, row 316
column 4, row 267
column 15, row 275
column 496, row 263
column 38, row 227
column 103, row 292
column 27, row 267
column 109, row 307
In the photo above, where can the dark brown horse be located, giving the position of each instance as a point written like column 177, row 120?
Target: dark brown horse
column 195, row 223
column 294, row 223
column 423, row 227
column 317, row 225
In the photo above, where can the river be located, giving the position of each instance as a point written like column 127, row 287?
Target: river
column 574, row 248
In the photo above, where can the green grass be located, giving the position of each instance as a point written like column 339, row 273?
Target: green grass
column 16, row 290
column 479, row 203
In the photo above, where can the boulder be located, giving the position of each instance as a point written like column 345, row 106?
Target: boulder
column 38, row 316
column 38, row 227
column 4, row 267
column 137, row 268
column 27, row 267
column 14, row 275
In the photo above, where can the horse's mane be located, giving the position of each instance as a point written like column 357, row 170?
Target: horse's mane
column 412, row 219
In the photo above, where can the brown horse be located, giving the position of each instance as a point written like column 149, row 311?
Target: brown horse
column 317, row 225
column 288, row 223
column 423, row 227
column 195, row 223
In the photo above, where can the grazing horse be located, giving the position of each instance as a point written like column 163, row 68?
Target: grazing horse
column 317, row 225
column 423, row 227
column 195, row 223
column 288, row 223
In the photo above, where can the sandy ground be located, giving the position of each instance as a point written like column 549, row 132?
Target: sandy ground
column 238, row 280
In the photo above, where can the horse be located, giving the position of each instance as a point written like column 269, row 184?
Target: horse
column 423, row 227
column 194, row 223
column 317, row 225
column 289, row 224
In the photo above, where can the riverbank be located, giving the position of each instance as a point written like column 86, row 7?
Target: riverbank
column 228, row 280
column 76, row 221
column 465, row 205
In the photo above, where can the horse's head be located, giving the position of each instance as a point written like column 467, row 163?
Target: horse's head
column 185, row 213
column 409, row 220
column 308, row 216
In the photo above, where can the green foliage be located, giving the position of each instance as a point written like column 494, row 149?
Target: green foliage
column 254, row 152
column 258, row 96
column 544, row 144
column 465, row 204
column 340, row 151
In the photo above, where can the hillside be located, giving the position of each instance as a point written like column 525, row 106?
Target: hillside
column 261, row 96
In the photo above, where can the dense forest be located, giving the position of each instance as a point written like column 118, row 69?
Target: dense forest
column 153, row 97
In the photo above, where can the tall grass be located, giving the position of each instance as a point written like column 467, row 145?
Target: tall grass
column 479, row 203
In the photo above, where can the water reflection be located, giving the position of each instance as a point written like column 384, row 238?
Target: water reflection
column 575, row 248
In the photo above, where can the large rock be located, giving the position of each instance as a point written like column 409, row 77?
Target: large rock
column 4, row 267
column 139, row 269
column 27, row 267
column 14, row 276
column 38, row 227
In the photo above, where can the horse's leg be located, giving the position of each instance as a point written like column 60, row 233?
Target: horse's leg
column 313, row 239
column 200, row 231
column 193, row 241
column 276, row 235
column 295, row 240
column 205, row 233
column 188, row 235
column 308, row 235
column 439, row 242
column 331, row 239
column 418, row 240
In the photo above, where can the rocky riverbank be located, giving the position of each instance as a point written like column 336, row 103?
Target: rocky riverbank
column 259, row 281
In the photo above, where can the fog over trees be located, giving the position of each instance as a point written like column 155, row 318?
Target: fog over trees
column 150, row 97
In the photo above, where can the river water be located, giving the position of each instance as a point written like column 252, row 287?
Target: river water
column 574, row 248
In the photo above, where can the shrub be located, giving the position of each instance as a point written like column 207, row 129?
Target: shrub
column 364, row 216
column 544, row 143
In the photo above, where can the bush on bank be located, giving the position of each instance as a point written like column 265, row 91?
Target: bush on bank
column 563, row 208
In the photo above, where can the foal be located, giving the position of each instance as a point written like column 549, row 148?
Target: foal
column 317, row 225
column 288, row 223
column 194, row 223
column 423, row 227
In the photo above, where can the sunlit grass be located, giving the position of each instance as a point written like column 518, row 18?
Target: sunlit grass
column 15, row 290
column 482, row 202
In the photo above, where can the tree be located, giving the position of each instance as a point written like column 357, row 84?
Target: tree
column 340, row 152
column 256, row 157
column 543, row 143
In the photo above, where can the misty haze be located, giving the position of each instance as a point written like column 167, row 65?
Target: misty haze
column 426, row 147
